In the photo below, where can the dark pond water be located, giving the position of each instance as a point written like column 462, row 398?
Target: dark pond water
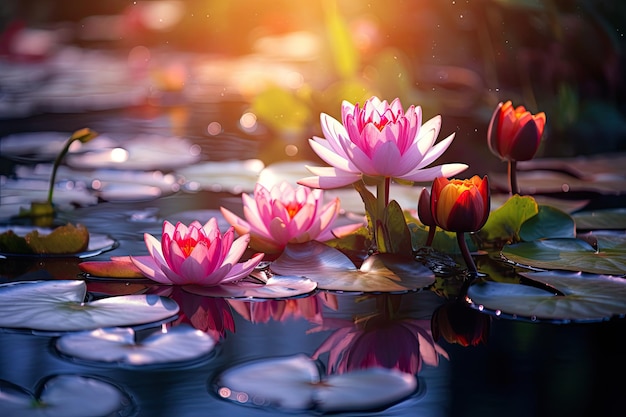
column 519, row 369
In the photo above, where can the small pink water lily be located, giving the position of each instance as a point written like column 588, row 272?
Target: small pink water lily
column 379, row 140
column 286, row 214
column 196, row 254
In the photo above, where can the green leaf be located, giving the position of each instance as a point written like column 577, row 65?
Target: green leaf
column 585, row 297
column 608, row 219
column 505, row 222
column 396, row 232
column 572, row 254
column 371, row 205
column 549, row 222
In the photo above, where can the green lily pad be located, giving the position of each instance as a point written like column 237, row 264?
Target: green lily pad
column 332, row 270
column 572, row 254
column 585, row 297
column 505, row 222
column 67, row 396
column 118, row 345
column 60, row 306
column 549, row 222
column 609, row 219
column 295, row 384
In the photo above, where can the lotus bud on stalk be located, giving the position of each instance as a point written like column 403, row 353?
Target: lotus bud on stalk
column 514, row 134
column 461, row 206
column 425, row 216
column 43, row 211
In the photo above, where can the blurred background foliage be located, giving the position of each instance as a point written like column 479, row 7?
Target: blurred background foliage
column 457, row 58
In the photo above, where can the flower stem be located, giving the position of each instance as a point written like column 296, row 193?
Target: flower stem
column 382, row 196
column 431, row 235
column 513, row 177
column 55, row 167
column 469, row 261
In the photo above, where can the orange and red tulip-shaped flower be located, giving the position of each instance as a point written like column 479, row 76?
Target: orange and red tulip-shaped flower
column 514, row 133
column 460, row 205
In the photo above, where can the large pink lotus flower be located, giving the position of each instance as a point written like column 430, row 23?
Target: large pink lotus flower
column 196, row 254
column 284, row 214
column 379, row 140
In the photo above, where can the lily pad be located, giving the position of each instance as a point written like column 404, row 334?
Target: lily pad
column 60, row 306
column 120, row 346
column 585, row 297
column 294, row 384
column 609, row 219
column 332, row 270
column 606, row 256
column 274, row 288
column 65, row 396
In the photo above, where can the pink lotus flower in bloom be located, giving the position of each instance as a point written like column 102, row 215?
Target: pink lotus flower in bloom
column 195, row 254
column 284, row 214
column 379, row 140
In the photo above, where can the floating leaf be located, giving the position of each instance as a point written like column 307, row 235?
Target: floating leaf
column 59, row 306
column 572, row 254
column 274, row 287
column 66, row 396
column 118, row 345
column 117, row 267
column 549, row 222
column 505, row 222
column 609, row 219
column 332, row 270
column 586, row 297
column 294, row 383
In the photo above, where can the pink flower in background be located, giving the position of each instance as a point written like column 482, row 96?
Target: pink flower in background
column 379, row 140
column 196, row 254
column 284, row 214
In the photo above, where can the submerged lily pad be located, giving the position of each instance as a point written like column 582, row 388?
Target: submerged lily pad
column 581, row 297
column 65, row 396
column 332, row 270
column 119, row 346
column 294, row 384
column 60, row 306
column 607, row 255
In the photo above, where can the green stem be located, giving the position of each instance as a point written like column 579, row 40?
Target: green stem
column 469, row 261
column 513, row 177
column 55, row 167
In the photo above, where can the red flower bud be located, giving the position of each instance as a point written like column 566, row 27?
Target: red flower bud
column 515, row 133
column 460, row 205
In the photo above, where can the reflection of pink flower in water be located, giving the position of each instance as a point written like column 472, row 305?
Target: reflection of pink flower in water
column 308, row 308
column 211, row 315
column 404, row 344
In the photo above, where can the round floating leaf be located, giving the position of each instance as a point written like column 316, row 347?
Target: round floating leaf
column 364, row 389
column 63, row 396
column 332, row 270
column 59, row 306
column 607, row 257
column 505, row 222
column 609, row 219
column 275, row 287
column 294, row 384
column 585, row 297
column 118, row 345
column 549, row 222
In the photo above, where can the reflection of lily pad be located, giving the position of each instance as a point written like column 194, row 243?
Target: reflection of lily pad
column 294, row 384
column 586, row 297
column 67, row 396
column 572, row 254
column 332, row 270
column 273, row 288
column 118, row 345
column 60, row 306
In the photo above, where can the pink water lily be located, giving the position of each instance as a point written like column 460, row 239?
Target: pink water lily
column 379, row 140
column 285, row 214
column 196, row 254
